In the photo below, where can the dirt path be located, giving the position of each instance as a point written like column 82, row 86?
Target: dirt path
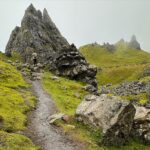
column 42, row 132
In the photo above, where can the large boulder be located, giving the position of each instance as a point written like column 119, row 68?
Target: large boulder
column 38, row 34
column 109, row 113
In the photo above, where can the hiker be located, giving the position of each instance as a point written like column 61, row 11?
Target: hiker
column 34, row 58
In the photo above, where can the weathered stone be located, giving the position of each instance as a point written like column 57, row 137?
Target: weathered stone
column 38, row 34
column 55, row 117
column 109, row 113
column 141, row 125
column 90, row 88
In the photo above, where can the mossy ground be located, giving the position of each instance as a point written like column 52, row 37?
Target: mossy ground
column 15, row 100
column 63, row 92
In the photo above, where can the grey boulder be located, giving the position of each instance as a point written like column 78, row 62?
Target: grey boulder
column 110, row 114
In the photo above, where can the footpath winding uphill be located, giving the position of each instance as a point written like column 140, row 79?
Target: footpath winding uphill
column 44, row 134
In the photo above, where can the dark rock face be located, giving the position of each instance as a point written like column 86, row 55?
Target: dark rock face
column 119, row 133
column 38, row 34
column 134, row 43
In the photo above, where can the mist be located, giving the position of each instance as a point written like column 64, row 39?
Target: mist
column 84, row 21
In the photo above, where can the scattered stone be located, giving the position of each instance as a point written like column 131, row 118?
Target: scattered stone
column 55, row 117
column 77, row 95
column 126, row 88
column 90, row 88
column 66, row 118
column 24, row 74
column 54, row 78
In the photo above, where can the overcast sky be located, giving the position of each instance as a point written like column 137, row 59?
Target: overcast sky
column 84, row 21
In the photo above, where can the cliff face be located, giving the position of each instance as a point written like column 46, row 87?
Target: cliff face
column 38, row 34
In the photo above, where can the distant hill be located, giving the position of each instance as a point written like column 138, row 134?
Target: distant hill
column 119, row 62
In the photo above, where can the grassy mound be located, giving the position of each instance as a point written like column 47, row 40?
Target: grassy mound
column 15, row 101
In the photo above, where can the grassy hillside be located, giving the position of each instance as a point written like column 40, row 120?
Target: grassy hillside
column 67, row 94
column 119, row 65
column 15, row 101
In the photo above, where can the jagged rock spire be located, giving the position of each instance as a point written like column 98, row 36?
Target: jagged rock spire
column 134, row 43
column 38, row 34
column 47, row 19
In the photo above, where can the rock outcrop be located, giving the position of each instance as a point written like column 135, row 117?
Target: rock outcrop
column 109, row 113
column 38, row 34
column 134, row 43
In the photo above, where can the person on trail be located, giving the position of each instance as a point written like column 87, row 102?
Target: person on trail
column 34, row 58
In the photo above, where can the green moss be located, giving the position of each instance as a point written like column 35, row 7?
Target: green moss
column 141, row 98
column 11, row 141
column 15, row 101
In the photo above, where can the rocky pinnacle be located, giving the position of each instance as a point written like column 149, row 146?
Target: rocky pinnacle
column 38, row 34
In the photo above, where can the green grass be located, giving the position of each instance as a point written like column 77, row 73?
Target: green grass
column 15, row 100
column 11, row 141
column 10, row 77
column 101, row 57
column 123, row 64
column 116, row 75
column 63, row 93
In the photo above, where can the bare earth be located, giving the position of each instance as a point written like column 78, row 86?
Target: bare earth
column 42, row 133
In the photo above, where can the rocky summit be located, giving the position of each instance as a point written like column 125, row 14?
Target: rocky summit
column 38, row 34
